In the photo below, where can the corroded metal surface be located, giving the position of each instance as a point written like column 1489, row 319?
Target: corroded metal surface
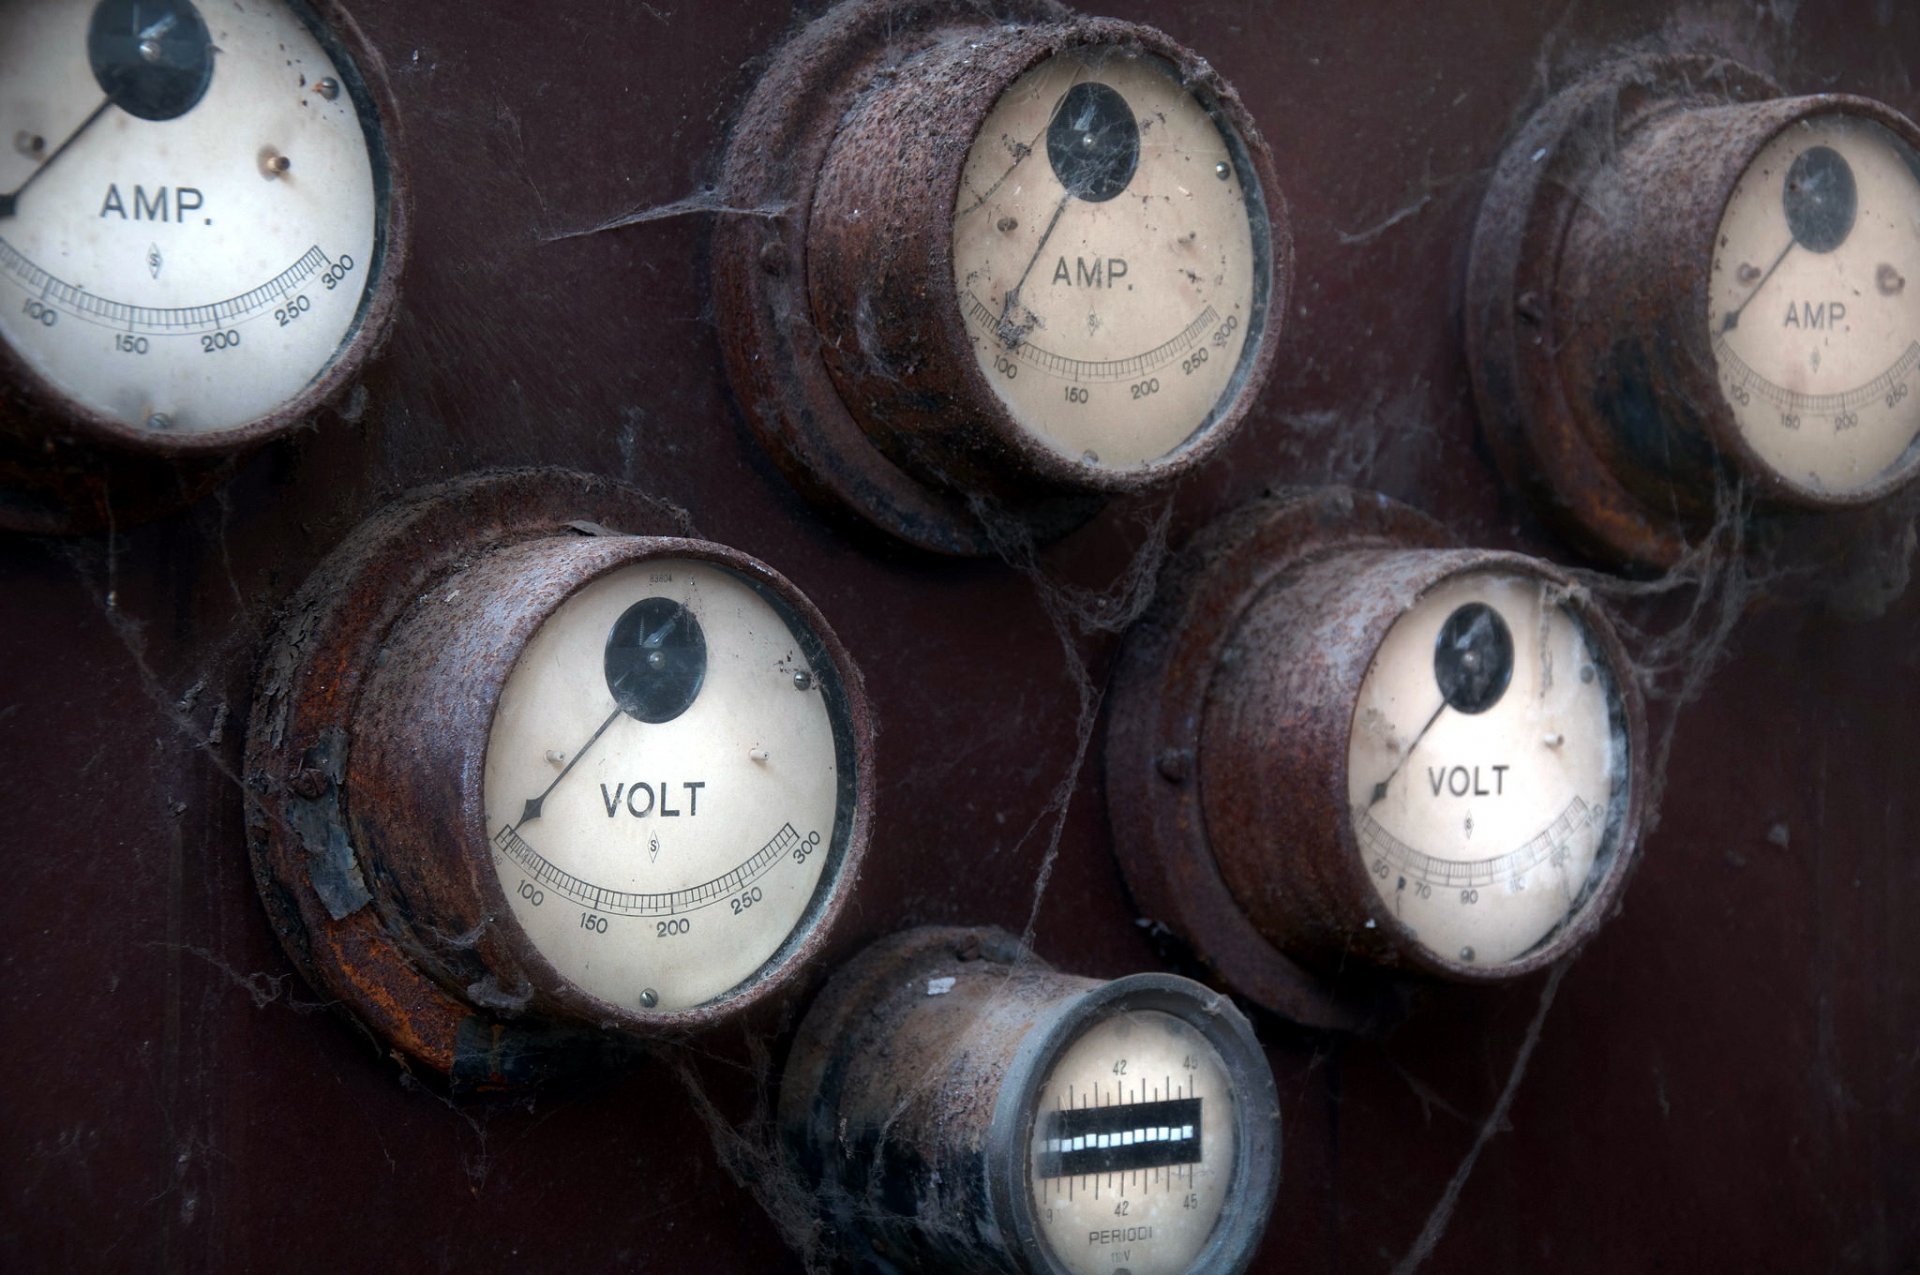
column 1587, row 306
column 363, row 765
column 893, row 419
column 907, row 1102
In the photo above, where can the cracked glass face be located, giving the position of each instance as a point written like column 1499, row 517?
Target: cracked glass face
column 1133, row 1147
column 1111, row 254
column 190, row 215
column 1814, row 304
column 1487, row 768
column 663, row 784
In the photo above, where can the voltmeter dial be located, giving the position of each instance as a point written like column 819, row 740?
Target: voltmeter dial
column 1128, row 1125
column 1814, row 306
column 1487, row 766
column 662, row 784
column 1030, row 263
column 1340, row 746
column 1683, row 282
column 521, row 786
column 1105, row 258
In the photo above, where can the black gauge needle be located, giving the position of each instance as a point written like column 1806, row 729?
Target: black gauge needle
column 8, row 201
column 532, row 808
column 1380, row 789
column 1732, row 320
column 1013, row 293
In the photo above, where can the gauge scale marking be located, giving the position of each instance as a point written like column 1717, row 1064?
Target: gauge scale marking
column 663, row 809
column 182, row 262
column 1132, row 1147
column 1487, row 768
column 1814, row 303
column 1110, row 272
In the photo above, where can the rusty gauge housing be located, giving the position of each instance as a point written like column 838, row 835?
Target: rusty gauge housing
column 958, row 1105
column 522, row 784
column 1340, row 747
column 994, row 263
column 1681, row 282
column 201, row 229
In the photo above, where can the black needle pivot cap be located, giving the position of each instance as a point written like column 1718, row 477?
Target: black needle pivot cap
column 153, row 58
column 1473, row 658
column 656, row 660
column 1093, row 142
column 1821, row 199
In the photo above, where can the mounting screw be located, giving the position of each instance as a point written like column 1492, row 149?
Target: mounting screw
column 309, row 782
column 1176, row 765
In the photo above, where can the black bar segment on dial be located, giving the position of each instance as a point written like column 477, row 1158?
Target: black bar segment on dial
column 1058, row 1128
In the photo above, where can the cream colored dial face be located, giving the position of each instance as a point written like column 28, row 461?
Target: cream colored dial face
column 1485, row 767
column 1814, row 304
column 187, row 274
column 659, row 842
column 1106, row 260
column 1133, row 1147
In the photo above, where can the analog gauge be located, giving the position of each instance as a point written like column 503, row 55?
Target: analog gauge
column 1814, row 307
column 1133, row 1147
column 1126, row 1125
column 1341, row 748
column 1032, row 263
column 524, row 791
column 1684, row 285
column 196, row 220
column 1487, row 767
column 662, row 784
column 1105, row 258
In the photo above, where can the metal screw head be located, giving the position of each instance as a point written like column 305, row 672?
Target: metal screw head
column 649, row 998
column 159, row 420
column 803, row 681
column 1222, row 171
column 308, row 782
column 1466, row 954
column 150, row 49
column 328, row 88
column 656, row 659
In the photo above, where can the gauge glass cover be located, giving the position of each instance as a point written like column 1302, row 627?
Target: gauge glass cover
column 1133, row 1147
column 190, row 274
column 1487, row 767
column 685, row 846
column 1106, row 258
column 1814, row 303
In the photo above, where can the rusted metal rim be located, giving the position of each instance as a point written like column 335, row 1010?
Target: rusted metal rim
column 883, row 238
column 309, row 875
column 1526, row 417
column 422, row 810
column 35, row 411
column 1256, row 1157
column 1159, row 698
column 1620, row 840
column 767, row 336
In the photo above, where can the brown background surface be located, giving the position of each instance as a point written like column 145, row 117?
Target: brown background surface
column 1726, row 1081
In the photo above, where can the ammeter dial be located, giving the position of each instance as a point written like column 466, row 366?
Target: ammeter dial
column 1684, row 283
column 196, row 216
column 1814, row 307
column 1031, row 262
column 524, row 793
column 1125, row 1125
column 1107, row 268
